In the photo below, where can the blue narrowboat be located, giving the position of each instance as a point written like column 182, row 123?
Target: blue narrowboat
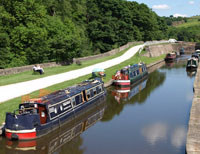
column 62, row 136
column 130, row 75
column 37, row 117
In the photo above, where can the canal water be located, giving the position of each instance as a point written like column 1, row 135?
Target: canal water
column 149, row 118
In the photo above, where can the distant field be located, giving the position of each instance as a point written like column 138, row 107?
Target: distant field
column 193, row 21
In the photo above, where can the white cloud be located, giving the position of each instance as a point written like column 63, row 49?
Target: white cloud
column 191, row 2
column 179, row 15
column 161, row 7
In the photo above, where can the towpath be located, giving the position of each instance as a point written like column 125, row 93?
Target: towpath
column 19, row 89
column 15, row 90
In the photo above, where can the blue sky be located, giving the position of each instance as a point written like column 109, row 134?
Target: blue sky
column 186, row 8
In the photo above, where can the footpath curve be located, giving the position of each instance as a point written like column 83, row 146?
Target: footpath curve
column 15, row 90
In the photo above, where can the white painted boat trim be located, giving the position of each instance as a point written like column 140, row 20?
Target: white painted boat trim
column 119, row 81
column 20, row 131
column 123, row 91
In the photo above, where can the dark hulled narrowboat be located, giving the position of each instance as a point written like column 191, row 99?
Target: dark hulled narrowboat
column 130, row 75
column 192, row 63
column 62, row 136
column 40, row 116
column 170, row 56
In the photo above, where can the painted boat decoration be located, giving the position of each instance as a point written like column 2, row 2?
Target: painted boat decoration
column 130, row 75
column 170, row 56
column 40, row 116
column 192, row 63
column 54, row 141
column 126, row 93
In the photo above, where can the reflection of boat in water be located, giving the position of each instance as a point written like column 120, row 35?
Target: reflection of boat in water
column 126, row 93
column 40, row 116
column 130, row 75
column 169, row 63
column 191, row 73
column 60, row 138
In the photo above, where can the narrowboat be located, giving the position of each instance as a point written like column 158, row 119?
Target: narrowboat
column 126, row 93
column 182, row 51
column 130, row 75
column 61, row 137
column 37, row 117
column 170, row 56
column 195, row 55
column 198, row 51
column 192, row 63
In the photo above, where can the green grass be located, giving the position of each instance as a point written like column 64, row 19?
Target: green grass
column 190, row 23
column 11, row 105
column 26, row 76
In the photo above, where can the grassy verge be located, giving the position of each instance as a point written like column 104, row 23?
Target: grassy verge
column 11, row 105
column 26, row 76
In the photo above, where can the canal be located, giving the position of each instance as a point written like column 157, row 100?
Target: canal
column 149, row 118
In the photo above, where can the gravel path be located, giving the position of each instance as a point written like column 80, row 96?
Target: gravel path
column 15, row 90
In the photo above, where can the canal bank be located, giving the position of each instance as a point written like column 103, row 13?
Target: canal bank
column 193, row 135
column 151, row 67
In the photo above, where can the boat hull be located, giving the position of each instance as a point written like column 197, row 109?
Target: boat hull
column 40, row 130
column 131, row 82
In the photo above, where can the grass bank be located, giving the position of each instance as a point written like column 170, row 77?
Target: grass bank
column 27, row 76
column 11, row 105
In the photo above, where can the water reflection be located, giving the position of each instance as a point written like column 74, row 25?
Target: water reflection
column 122, row 94
column 154, row 80
column 155, row 132
column 159, row 131
column 63, row 140
column 178, row 137
column 191, row 74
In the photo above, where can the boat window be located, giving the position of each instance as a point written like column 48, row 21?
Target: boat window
column 42, row 114
column 61, row 108
column 100, row 88
column 91, row 92
column 95, row 91
column 131, row 75
column 51, row 109
column 88, row 94
column 55, row 110
column 78, row 100
column 73, row 101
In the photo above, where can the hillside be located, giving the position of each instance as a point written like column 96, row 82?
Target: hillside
column 191, row 22
column 33, row 31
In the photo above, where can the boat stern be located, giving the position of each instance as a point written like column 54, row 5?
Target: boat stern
column 22, row 126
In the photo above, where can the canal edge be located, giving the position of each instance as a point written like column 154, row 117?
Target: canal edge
column 193, row 135
column 110, row 82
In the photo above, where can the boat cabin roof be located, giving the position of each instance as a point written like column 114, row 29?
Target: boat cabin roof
column 67, row 93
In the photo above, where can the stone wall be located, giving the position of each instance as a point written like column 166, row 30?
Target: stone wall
column 157, row 50
column 54, row 64
column 16, row 70
column 193, row 135
column 110, row 53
